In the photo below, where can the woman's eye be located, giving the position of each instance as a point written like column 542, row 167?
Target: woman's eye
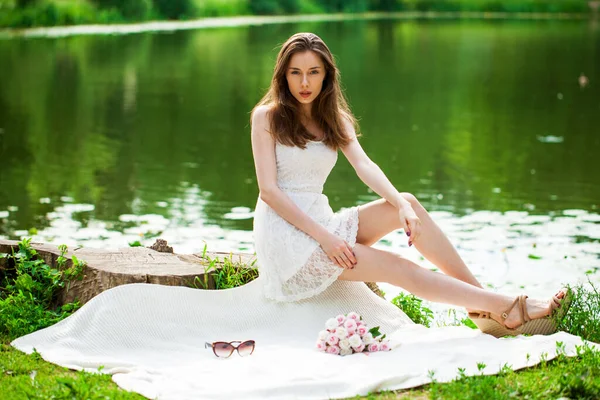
column 314, row 72
column 294, row 72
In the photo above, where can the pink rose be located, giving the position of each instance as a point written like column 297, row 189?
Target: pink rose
column 332, row 339
column 359, row 323
column 385, row 346
column 350, row 325
column 333, row 350
column 361, row 330
column 340, row 319
column 321, row 345
column 354, row 316
column 373, row 347
column 359, row 349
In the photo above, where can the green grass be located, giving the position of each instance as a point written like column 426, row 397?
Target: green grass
column 30, row 377
column 25, row 376
column 563, row 377
column 414, row 309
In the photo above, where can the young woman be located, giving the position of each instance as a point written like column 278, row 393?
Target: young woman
column 302, row 246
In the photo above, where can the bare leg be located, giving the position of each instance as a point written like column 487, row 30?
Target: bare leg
column 379, row 217
column 435, row 246
column 381, row 266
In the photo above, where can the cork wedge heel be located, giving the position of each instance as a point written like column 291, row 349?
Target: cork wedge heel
column 537, row 326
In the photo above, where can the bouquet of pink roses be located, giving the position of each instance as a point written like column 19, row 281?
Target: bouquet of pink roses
column 348, row 334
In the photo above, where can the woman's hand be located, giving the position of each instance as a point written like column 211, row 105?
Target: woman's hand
column 338, row 251
column 410, row 222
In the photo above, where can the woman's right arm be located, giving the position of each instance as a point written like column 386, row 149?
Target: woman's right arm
column 263, row 150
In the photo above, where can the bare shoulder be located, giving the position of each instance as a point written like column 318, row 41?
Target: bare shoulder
column 260, row 115
column 261, row 125
column 349, row 127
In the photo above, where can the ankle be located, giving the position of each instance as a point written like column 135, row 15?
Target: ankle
column 505, row 307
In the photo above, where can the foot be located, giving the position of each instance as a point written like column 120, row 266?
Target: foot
column 535, row 309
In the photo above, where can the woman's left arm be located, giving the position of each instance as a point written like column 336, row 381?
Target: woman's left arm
column 373, row 177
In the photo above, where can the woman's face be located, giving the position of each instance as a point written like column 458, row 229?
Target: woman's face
column 305, row 75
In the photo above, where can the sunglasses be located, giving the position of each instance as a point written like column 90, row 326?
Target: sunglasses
column 225, row 349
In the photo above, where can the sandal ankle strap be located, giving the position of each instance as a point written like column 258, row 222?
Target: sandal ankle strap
column 523, row 306
column 523, row 314
column 504, row 315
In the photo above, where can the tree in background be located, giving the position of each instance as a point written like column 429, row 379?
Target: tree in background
column 384, row 5
column 174, row 9
column 29, row 13
column 130, row 9
column 25, row 3
column 270, row 7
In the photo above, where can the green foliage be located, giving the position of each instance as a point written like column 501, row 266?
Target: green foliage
column 130, row 9
column 564, row 377
column 411, row 305
column 310, row 7
column 135, row 9
column 469, row 323
column 267, row 7
column 30, row 13
column 25, row 3
column 174, row 9
column 273, row 7
column 24, row 376
column 375, row 331
column 384, row 5
column 356, row 6
column 583, row 318
column 484, row 5
column 218, row 8
column 30, row 289
column 226, row 273
column 49, row 13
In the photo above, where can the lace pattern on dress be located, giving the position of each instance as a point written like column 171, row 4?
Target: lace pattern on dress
column 292, row 263
column 319, row 271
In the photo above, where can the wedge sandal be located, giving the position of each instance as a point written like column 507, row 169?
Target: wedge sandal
column 539, row 326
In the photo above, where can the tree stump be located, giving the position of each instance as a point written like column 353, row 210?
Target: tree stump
column 105, row 269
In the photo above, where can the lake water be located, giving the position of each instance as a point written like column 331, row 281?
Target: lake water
column 109, row 139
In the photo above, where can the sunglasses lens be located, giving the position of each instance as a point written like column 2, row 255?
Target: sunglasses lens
column 246, row 348
column 223, row 349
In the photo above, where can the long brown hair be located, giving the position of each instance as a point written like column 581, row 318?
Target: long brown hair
column 330, row 109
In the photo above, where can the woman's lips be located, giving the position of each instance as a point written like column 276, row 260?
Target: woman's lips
column 305, row 94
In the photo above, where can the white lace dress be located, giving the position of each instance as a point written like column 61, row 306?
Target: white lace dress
column 292, row 263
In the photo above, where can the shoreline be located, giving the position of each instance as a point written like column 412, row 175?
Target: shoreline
column 237, row 21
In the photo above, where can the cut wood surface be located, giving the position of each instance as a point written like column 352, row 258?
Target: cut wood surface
column 105, row 269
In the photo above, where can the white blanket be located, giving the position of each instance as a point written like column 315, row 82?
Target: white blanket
column 150, row 338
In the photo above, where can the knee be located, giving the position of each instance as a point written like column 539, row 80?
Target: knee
column 413, row 201
column 411, row 198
